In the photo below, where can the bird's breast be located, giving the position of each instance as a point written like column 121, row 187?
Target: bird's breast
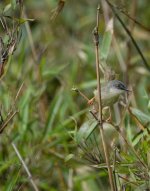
column 108, row 98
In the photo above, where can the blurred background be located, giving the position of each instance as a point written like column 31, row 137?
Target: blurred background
column 55, row 53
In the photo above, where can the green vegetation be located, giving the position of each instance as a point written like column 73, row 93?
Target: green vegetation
column 48, row 138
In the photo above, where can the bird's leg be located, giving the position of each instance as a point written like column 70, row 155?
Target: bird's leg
column 95, row 112
column 91, row 101
column 109, row 119
column 82, row 94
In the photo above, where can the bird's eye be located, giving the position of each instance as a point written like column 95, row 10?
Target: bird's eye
column 121, row 86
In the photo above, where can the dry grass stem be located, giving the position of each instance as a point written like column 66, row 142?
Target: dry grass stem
column 25, row 167
column 96, row 41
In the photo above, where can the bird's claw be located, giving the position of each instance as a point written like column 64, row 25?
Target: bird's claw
column 91, row 101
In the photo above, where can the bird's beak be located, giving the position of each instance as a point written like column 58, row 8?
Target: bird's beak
column 128, row 90
column 125, row 89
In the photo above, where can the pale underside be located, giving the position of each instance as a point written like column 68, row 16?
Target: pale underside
column 108, row 97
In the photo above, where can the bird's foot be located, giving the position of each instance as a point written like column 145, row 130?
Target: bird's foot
column 109, row 119
column 91, row 101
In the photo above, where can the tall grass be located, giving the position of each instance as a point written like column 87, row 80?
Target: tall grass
column 52, row 142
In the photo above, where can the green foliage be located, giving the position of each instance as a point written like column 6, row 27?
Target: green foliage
column 54, row 133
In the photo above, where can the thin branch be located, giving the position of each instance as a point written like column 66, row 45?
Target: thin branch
column 18, row 92
column 25, row 167
column 130, row 35
column 127, row 180
column 58, row 9
column 96, row 42
column 7, row 120
column 114, row 170
column 11, row 113
column 135, row 21
column 80, row 93
column 16, row 97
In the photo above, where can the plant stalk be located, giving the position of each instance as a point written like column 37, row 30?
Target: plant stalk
column 96, row 42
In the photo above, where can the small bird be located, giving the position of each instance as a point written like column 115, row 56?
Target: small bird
column 110, row 93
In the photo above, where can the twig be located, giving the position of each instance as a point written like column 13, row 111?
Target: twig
column 58, row 9
column 11, row 113
column 82, row 94
column 96, row 41
column 8, row 119
column 18, row 92
column 16, row 97
column 114, row 169
column 135, row 21
column 129, row 51
column 127, row 180
column 25, row 167
column 130, row 35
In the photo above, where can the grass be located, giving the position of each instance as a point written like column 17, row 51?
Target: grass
column 54, row 133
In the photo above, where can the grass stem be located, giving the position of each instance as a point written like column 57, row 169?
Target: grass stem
column 96, row 42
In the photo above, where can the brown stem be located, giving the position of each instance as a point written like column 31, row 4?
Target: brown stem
column 96, row 41
column 7, row 121
column 129, row 45
column 82, row 94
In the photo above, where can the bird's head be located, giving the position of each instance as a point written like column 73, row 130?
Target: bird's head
column 116, row 86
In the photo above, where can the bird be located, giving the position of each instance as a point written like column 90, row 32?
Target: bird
column 110, row 93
